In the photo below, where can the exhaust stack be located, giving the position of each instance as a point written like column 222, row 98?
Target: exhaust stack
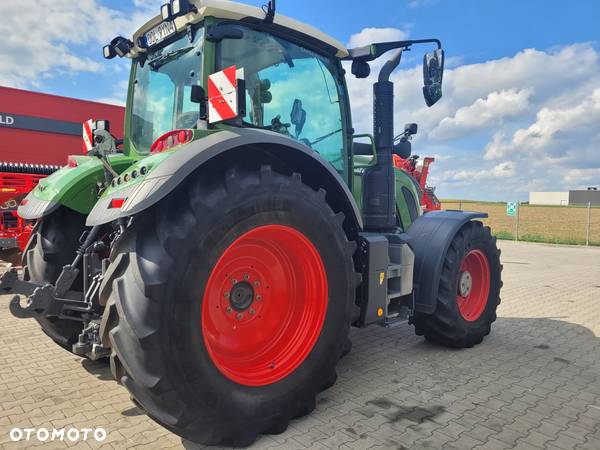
column 379, row 191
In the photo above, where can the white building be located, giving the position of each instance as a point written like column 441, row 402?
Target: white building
column 581, row 198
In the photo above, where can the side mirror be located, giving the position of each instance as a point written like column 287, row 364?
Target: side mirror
column 265, row 95
column 433, row 72
column 410, row 129
column 101, row 125
column 403, row 149
column 298, row 116
column 198, row 96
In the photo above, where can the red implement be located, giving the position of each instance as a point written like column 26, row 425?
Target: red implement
column 16, row 181
column 429, row 201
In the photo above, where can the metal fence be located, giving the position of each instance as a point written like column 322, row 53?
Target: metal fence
column 577, row 225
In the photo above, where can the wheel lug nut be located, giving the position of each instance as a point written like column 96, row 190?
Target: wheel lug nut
column 234, row 281
column 227, row 294
column 257, row 283
column 229, row 309
column 246, row 277
column 251, row 311
column 258, row 298
column 239, row 316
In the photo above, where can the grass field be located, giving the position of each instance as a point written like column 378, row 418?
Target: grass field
column 551, row 224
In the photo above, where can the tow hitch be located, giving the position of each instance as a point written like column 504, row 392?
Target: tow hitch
column 60, row 301
column 43, row 301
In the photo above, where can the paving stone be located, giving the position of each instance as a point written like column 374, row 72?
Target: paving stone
column 533, row 383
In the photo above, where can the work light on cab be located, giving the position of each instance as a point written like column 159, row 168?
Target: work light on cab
column 119, row 46
column 176, row 8
column 171, row 139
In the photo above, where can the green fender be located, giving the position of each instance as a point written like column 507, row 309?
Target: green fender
column 76, row 187
column 163, row 172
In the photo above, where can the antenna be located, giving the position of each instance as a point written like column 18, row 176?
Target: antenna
column 269, row 10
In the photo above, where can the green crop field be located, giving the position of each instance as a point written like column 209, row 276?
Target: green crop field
column 551, row 224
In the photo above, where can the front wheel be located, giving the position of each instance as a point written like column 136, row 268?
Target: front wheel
column 232, row 302
column 469, row 290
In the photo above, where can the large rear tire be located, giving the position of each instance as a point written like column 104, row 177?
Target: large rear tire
column 231, row 304
column 469, row 290
column 53, row 244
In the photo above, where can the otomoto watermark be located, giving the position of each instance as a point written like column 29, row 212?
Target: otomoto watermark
column 58, row 434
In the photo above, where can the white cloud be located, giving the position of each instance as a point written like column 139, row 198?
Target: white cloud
column 55, row 37
column 534, row 114
column 581, row 178
column 483, row 112
column 553, row 127
column 503, row 170
column 371, row 35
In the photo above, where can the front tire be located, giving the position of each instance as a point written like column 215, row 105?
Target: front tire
column 53, row 244
column 469, row 290
column 193, row 342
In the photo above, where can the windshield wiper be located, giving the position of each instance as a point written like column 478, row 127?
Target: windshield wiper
column 322, row 138
column 168, row 57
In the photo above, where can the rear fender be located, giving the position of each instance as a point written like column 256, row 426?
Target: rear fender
column 431, row 236
column 73, row 187
column 241, row 144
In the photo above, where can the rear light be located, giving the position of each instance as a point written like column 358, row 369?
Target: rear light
column 72, row 162
column 117, row 203
column 171, row 139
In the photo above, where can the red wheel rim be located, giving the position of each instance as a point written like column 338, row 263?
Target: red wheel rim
column 473, row 285
column 264, row 305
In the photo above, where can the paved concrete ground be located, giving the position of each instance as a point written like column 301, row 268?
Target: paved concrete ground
column 534, row 383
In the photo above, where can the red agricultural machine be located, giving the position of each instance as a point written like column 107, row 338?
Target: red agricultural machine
column 419, row 171
column 16, row 181
column 416, row 168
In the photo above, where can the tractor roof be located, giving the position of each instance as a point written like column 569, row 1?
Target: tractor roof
column 225, row 9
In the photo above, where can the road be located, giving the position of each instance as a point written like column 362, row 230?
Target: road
column 533, row 383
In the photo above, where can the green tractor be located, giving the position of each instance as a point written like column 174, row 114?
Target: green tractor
column 220, row 253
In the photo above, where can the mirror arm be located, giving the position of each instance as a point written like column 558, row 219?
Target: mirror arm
column 374, row 51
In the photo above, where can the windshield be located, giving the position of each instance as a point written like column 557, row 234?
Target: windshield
column 162, row 90
column 290, row 90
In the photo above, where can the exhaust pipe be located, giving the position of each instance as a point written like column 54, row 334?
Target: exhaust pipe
column 379, row 190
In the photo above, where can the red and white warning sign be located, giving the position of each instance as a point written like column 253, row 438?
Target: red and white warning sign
column 223, row 94
column 88, row 135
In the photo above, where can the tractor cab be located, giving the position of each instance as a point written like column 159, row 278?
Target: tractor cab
column 291, row 79
column 287, row 78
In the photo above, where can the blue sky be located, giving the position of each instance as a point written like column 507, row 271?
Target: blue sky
column 522, row 90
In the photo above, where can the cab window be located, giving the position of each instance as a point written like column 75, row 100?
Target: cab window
column 289, row 90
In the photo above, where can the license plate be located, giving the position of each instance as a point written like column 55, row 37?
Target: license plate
column 158, row 34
